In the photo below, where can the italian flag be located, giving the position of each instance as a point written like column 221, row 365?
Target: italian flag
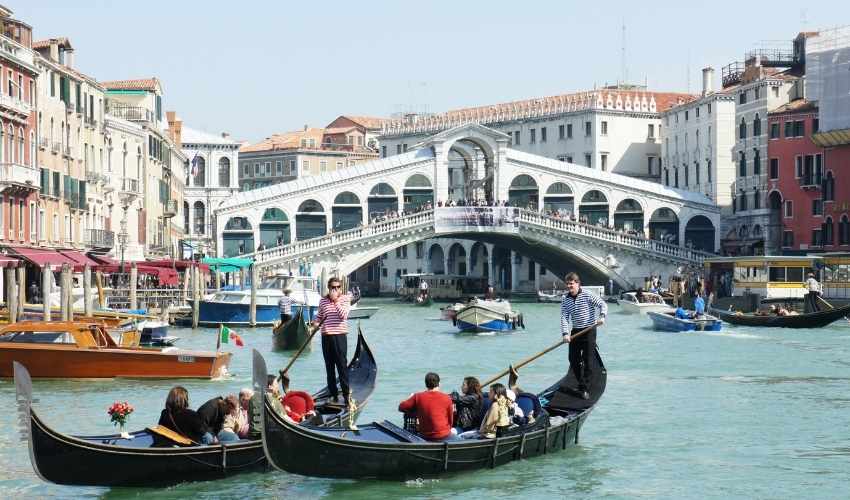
column 225, row 334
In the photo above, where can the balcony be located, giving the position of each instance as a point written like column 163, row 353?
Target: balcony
column 19, row 177
column 731, row 73
column 810, row 182
column 67, row 151
column 129, row 185
column 131, row 113
column 56, row 147
column 751, row 181
column 99, row 238
column 15, row 105
column 170, row 209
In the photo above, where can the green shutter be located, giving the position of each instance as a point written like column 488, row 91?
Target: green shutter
column 79, row 107
column 52, row 84
column 84, row 204
column 45, row 181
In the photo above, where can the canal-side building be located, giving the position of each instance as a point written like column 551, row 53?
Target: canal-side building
column 19, row 175
column 303, row 153
column 147, row 171
column 71, row 209
column 211, row 178
column 767, row 79
column 696, row 145
column 614, row 129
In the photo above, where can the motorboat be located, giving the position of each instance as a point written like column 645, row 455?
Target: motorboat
column 76, row 349
column 668, row 322
column 231, row 307
column 480, row 315
column 359, row 312
column 449, row 312
column 632, row 303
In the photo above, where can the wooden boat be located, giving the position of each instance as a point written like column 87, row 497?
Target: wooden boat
column 110, row 460
column 292, row 334
column 423, row 301
column 810, row 320
column 668, row 322
column 85, row 350
column 385, row 450
column 654, row 302
column 487, row 316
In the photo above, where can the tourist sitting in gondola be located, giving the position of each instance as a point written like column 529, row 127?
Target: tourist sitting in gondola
column 231, row 426
column 469, row 406
column 498, row 418
column 179, row 418
column 432, row 408
column 212, row 414
column 245, row 418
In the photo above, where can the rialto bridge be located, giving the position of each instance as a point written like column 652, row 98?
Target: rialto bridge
column 337, row 221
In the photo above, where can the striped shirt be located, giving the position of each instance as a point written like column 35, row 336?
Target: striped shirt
column 581, row 311
column 332, row 315
column 285, row 304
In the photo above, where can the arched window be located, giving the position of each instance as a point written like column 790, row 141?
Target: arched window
column 199, row 167
column 756, row 199
column 829, row 187
column 224, row 172
column 743, row 201
column 844, row 231
column 32, row 149
column 742, row 129
column 756, row 126
column 10, row 145
column 742, row 164
column 828, row 232
column 200, row 222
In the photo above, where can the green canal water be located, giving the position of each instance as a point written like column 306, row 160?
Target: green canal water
column 742, row 413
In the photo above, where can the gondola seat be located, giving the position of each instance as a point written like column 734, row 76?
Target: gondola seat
column 299, row 403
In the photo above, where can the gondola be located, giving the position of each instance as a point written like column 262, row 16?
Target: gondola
column 292, row 334
column 384, row 450
column 110, row 460
column 423, row 301
column 808, row 320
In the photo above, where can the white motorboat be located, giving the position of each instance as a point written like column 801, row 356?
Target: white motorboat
column 487, row 316
column 358, row 312
column 231, row 307
column 648, row 302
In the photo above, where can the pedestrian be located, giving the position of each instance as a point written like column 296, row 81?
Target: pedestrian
column 285, row 305
column 581, row 309
column 331, row 317
column 813, row 294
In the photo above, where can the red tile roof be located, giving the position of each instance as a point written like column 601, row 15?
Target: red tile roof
column 367, row 121
column 796, row 106
column 286, row 140
column 143, row 84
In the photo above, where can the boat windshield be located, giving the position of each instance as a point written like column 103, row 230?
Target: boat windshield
column 227, row 297
column 294, row 283
column 38, row 338
column 275, row 283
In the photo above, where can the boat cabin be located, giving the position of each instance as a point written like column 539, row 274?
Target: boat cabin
column 835, row 275
column 771, row 277
column 442, row 286
column 73, row 333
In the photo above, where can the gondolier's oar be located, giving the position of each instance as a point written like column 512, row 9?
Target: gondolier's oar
column 832, row 306
column 524, row 362
column 284, row 378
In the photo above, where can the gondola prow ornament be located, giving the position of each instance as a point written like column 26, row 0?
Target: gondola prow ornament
column 352, row 408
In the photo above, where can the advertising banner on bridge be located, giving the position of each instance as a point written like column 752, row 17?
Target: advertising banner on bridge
column 476, row 219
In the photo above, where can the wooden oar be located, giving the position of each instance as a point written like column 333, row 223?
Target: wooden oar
column 284, row 378
column 524, row 362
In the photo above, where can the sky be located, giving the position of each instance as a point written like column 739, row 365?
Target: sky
column 256, row 68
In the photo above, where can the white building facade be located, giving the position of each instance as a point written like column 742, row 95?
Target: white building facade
column 696, row 146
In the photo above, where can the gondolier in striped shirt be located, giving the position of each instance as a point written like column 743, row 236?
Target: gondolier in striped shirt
column 581, row 309
column 332, row 316
column 285, row 304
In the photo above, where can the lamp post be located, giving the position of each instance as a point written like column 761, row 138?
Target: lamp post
column 122, row 237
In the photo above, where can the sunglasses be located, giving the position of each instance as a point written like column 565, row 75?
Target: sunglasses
column 335, row 287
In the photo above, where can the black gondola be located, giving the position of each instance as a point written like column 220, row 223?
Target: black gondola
column 110, row 460
column 807, row 320
column 423, row 300
column 384, row 450
column 292, row 334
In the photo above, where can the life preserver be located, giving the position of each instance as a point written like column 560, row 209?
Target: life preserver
column 299, row 403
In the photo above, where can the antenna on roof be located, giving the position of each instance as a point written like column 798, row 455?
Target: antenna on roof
column 624, row 73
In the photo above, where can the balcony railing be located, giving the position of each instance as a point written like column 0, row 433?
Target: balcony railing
column 170, row 209
column 43, row 143
column 731, row 73
column 129, row 185
column 131, row 113
column 15, row 104
column 750, row 182
column 56, row 147
column 810, row 181
column 99, row 238
column 17, row 174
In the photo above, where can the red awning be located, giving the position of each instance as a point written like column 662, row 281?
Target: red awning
column 42, row 256
column 165, row 275
column 7, row 261
column 80, row 259
column 180, row 265
column 103, row 259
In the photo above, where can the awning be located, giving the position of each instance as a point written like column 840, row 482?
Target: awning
column 103, row 259
column 80, row 260
column 42, row 257
column 180, row 265
column 165, row 275
column 228, row 265
column 7, row 261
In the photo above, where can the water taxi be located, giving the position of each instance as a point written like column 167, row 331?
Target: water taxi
column 74, row 349
column 630, row 303
column 487, row 316
column 668, row 322
column 231, row 307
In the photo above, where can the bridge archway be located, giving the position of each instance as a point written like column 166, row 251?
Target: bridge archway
column 437, row 259
column 664, row 225
column 594, row 206
column 346, row 212
column 418, row 191
column 699, row 233
column 559, row 198
column 382, row 199
column 523, row 192
column 629, row 215
column 274, row 228
column 457, row 260
column 310, row 220
column 238, row 237
column 479, row 260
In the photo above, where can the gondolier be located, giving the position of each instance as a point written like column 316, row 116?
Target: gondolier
column 581, row 309
column 332, row 317
column 813, row 294
column 285, row 304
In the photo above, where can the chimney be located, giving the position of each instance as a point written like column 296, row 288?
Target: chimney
column 69, row 58
column 225, row 135
column 53, row 52
column 707, row 80
column 305, row 127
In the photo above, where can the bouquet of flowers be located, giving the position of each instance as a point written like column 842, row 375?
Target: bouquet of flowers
column 119, row 412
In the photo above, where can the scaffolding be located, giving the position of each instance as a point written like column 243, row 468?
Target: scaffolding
column 827, row 81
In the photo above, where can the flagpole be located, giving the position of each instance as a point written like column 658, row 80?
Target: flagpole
column 218, row 341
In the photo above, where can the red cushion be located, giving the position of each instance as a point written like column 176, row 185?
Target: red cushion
column 299, row 403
